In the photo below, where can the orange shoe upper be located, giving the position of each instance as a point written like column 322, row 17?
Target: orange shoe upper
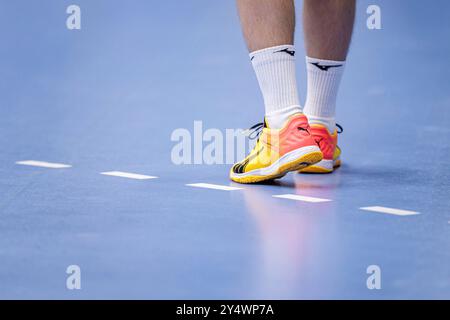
column 326, row 141
column 295, row 134
column 274, row 143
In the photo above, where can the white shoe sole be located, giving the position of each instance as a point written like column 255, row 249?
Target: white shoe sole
column 291, row 161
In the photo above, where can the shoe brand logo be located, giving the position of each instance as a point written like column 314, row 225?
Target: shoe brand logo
column 240, row 167
column 324, row 67
column 303, row 129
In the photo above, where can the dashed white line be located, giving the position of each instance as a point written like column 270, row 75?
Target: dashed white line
column 43, row 164
column 128, row 175
column 213, row 186
column 52, row 165
column 301, row 198
column 398, row 212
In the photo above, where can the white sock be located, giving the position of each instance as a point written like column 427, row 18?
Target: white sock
column 324, row 77
column 275, row 70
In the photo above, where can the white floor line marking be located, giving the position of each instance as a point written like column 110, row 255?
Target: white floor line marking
column 213, row 186
column 398, row 212
column 43, row 164
column 128, row 175
column 300, row 198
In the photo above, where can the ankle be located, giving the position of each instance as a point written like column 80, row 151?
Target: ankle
column 278, row 118
column 328, row 122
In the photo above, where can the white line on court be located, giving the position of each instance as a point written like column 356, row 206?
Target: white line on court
column 43, row 164
column 128, row 175
column 300, row 198
column 213, row 186
column 398, row 212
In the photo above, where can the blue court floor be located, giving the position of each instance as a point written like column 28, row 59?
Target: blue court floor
column 108, row 97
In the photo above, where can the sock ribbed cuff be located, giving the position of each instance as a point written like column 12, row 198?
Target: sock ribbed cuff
column 267, row 53
column 324, row 77
column 275, row 71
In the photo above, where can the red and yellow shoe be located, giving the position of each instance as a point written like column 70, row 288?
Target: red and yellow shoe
column 278, row 151
column 328, row 145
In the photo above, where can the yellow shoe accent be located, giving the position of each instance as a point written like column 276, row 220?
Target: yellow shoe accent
column 277, row 152
column 337, row 158
column 302, row 162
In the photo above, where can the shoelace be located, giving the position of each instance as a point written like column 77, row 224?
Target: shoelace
column 340, row 128
column 254, row 131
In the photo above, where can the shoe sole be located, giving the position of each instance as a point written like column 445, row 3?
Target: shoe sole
column 292, row 161
column 324, row 166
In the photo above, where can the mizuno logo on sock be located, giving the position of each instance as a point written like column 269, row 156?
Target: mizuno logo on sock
column 324, row 67
column 289, row 52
